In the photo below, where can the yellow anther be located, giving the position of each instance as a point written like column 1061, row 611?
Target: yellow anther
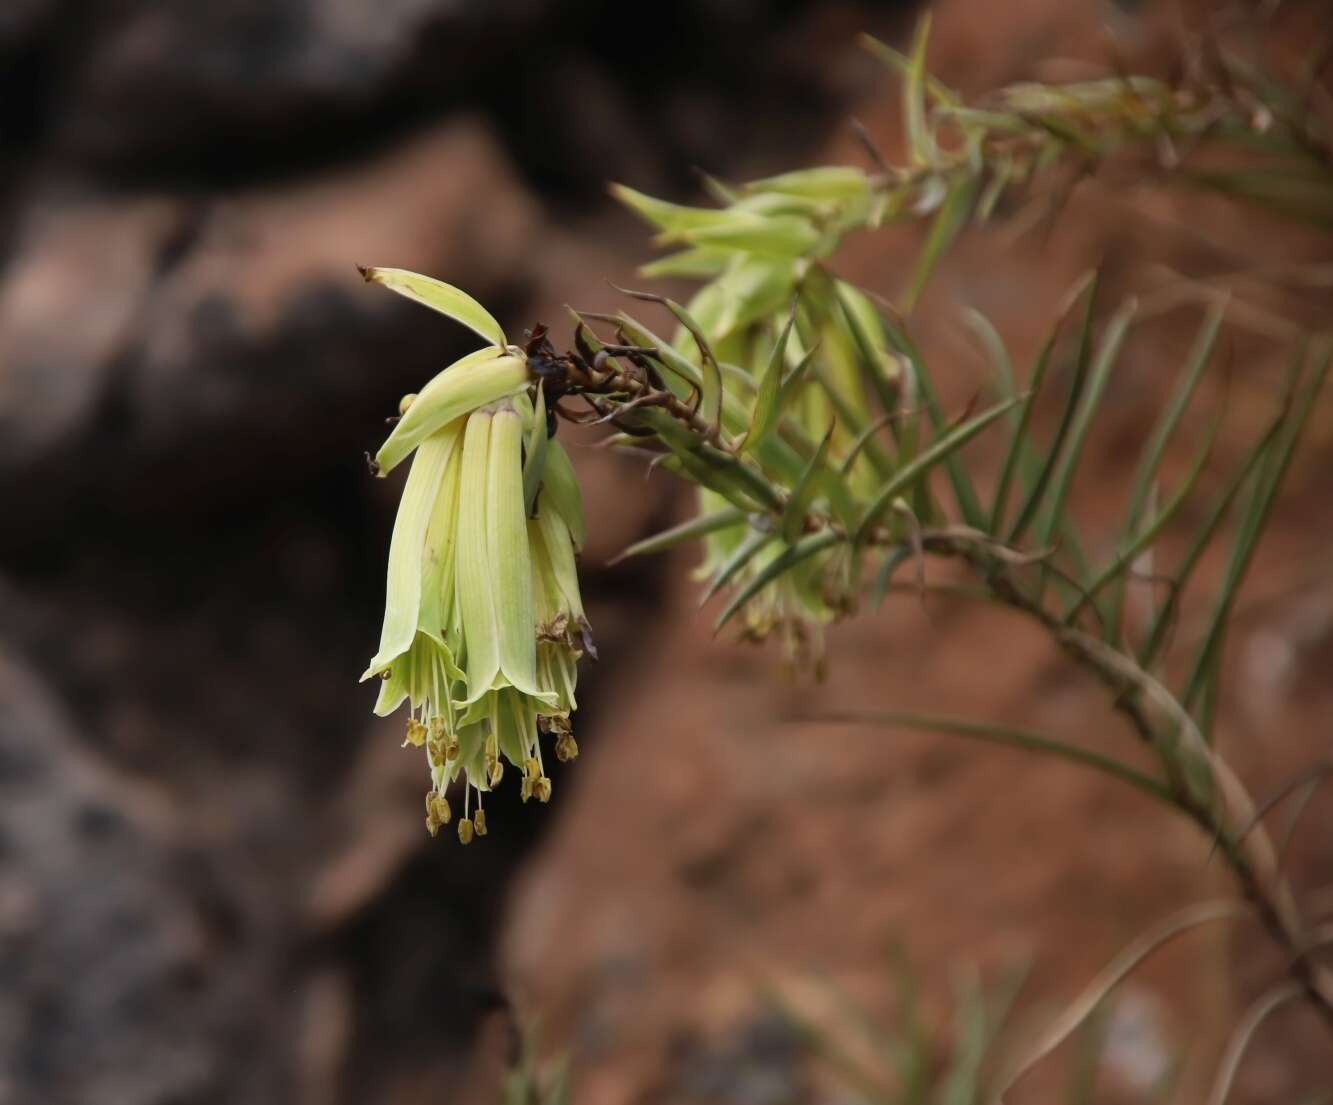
column 465, row 829
column 479, row 821
column 531, row 768
column 566, row 748
column 437, row 811
column 437, row 727
column 416, row 733
column 435, row 750
column 542, row 789
column 406, row 401
column 525, row 791
column 496, row 773
column 451, row 748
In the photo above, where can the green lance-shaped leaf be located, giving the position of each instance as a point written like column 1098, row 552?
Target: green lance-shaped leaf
column 1016, row 452
column 1011, row 736
column 766, row 411
column 712, row 468
column 479, row 378
column 560, row 489
column 863, row 324
column 788, row 388
column 695, row 528
column 1125, row 556
column 949, row 221
column 475, row 597
column 900, row 63
column 752, row 544
column 750, row 289
column 1281, row 192
column 534, row 453
column 798, row 502
column 828, row 182
column 696, row 263
column 1255, row 519
column 442, row 297
column 964, row 493
column 1107, row 357
column 940, row 450
column 671, row 218
column 1151, row 459
column 510, row 564
column 1203, row 536
column 402, row 607
column 1033, row 501
column 796, row 554
column 920, row 142
column 772, row 235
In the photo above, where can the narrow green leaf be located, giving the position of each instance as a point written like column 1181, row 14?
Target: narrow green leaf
column 825, row 182
column 860, row 314
column 766, row 409
column 793, row 555
column 1108, row 355
column 920, row 143
column 1028, row 511
column 949, row 221
column 1123, row 561
column 774, row 235
column 939, row 450
column 900, row 63
column 701, row 526
column 1018, row 454
column 964, row 493
column 798, row 502
column 853, row 420
column 671, row 218
column 971, row 1038
column 753, row 543
column 698, row 263
column 1155, row 639
column 1012, row 737
column 793, row 379
column 1155, row 448
column 442, row 297
column 1252, row 527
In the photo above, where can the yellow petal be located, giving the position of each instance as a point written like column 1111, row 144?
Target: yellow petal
column 402, row 605
column 476, row 601
column 510, row 559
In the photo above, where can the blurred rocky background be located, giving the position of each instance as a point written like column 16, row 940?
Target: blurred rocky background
column 214, row 881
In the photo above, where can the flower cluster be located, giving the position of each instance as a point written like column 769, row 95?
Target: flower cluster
column 483, row 623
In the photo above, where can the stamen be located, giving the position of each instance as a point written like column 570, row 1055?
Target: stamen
column 437, row 812
column 465, row 829
column 479, row 820
column 416, row 733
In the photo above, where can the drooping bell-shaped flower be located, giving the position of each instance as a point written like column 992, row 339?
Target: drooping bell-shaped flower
column 483, row 619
